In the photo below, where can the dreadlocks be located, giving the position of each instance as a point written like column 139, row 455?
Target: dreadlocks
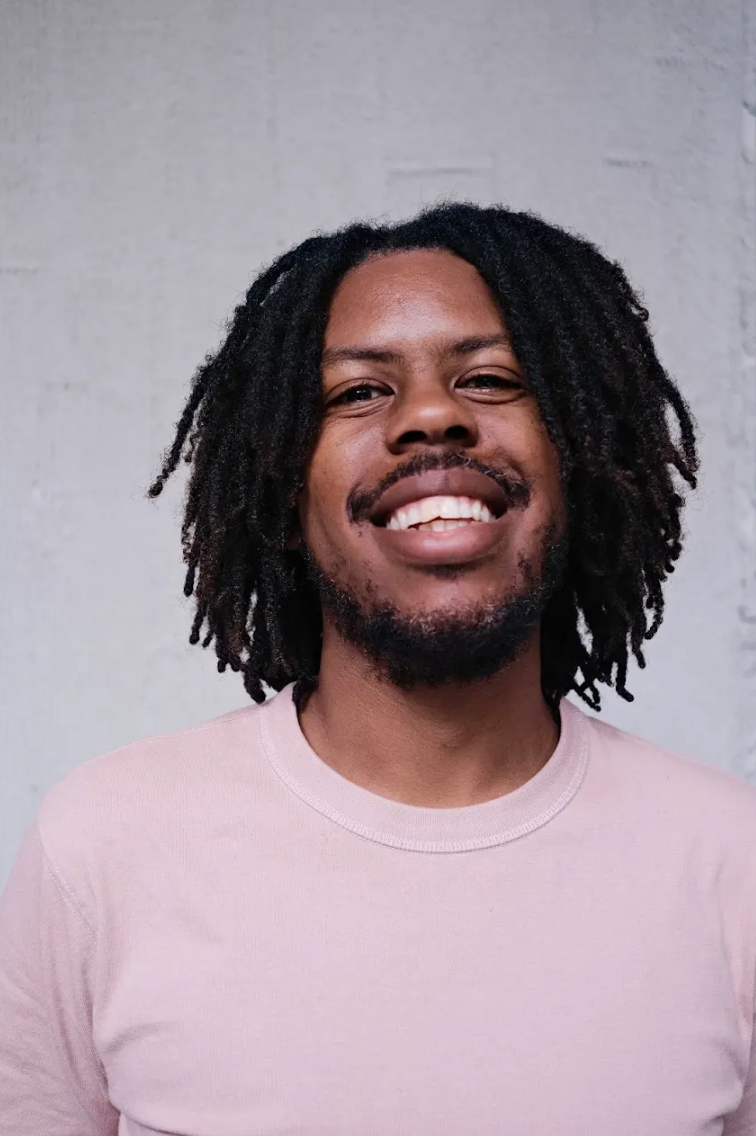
column 579, row 331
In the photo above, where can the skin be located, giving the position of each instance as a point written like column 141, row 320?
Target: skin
column 459, row 744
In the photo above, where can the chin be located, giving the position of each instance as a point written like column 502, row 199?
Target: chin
column 461, row 612
column 448, row 593
column 426, row 630
column 431, row 647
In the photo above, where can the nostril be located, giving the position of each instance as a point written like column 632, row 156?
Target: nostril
column 457, row 433
column 410, row 436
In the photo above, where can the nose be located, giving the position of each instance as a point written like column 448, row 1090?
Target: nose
column 430, row 414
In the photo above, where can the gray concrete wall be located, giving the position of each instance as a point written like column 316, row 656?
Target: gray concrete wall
column 154, row 154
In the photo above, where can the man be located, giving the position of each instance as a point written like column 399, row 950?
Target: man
column 435, row 487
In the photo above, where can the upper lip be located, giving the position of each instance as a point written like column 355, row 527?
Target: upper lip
column 440, row 483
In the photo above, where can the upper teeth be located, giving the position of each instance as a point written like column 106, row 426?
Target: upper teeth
column 432, row 508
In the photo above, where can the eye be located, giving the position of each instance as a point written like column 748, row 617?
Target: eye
column 360, row 392
column 491, row 381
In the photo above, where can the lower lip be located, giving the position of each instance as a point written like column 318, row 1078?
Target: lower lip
column 463, row 545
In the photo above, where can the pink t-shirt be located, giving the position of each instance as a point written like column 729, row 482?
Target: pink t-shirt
column 213, row 933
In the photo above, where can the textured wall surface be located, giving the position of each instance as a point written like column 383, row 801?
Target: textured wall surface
column 153, row 155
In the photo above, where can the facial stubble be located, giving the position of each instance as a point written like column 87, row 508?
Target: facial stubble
column 438, row 648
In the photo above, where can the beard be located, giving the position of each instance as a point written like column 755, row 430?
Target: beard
column 437, row 648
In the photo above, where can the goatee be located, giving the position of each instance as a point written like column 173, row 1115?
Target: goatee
column 430, row 650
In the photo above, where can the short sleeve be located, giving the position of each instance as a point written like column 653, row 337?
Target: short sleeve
column 51, row 1082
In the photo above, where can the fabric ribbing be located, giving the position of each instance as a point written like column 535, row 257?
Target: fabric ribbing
column 412, row 827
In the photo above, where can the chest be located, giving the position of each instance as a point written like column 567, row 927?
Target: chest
column 464, row 998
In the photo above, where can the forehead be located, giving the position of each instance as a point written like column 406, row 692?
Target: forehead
column 409, row 293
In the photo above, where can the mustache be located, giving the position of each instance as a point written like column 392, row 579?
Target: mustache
column 361, row 502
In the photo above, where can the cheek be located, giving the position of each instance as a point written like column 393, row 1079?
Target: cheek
column 542, row 457
column 534, row 454
column 524, row 443
column 322, row 503
column 339, row 463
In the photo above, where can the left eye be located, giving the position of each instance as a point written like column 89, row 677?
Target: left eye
column 490, row 382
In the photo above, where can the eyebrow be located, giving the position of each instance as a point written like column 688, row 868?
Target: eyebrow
column 377, row 355
column 478, row 343
column 360, row 354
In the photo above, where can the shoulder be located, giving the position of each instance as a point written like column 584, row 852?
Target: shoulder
column 188, row 753
column 117, row 805
column 680, row 790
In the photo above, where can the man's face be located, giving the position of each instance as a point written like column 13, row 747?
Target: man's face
column 433, row 494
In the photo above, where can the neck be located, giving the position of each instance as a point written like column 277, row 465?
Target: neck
column 446, row 747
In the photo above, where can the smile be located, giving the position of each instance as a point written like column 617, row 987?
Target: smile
column 444, row 518
column 439, row 514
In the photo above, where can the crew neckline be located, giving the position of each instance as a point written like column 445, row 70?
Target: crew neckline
column 413, row 827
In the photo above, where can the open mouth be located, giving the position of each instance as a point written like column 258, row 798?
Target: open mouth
column 428, row 508
column 440, row 513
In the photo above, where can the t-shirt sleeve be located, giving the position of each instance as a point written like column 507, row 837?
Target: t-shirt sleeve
column 51, row 1081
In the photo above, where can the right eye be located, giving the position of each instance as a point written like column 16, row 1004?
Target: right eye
column 360, row 392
